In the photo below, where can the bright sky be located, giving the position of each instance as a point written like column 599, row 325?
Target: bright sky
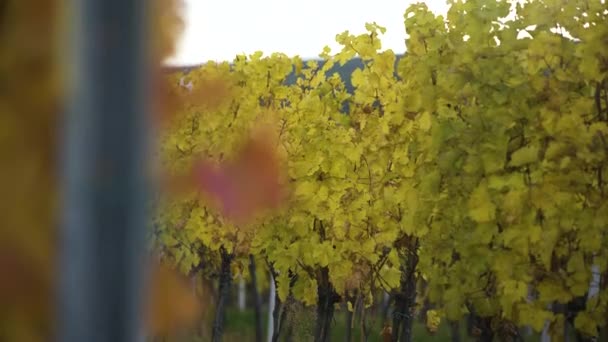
column 220, row 29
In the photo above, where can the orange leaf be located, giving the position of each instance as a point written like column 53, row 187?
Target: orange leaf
column 172, row 303
column 247, row 185
column 210, row 92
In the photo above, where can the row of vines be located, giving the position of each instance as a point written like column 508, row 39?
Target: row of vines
column 469, row 174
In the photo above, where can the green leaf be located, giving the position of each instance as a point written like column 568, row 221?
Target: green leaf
column 425, row 121
column 306, row 189
column 481, row 207
column 525, row 155
column 585, row 323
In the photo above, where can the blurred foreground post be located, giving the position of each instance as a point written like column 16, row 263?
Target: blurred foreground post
column 104, row 173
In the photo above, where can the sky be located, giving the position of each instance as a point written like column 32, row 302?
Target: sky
column 218, row 30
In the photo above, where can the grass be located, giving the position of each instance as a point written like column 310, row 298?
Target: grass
column 240, row 327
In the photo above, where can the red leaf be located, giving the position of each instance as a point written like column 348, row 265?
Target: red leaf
column 246, row 185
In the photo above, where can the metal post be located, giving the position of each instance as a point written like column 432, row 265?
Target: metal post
column 271, row 299
column 104, row 182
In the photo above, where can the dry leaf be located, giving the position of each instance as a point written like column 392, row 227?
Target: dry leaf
column 387, row 333
column 172, row 303
column 247, row 185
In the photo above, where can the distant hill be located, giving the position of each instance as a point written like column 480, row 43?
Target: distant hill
column 345, row 71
